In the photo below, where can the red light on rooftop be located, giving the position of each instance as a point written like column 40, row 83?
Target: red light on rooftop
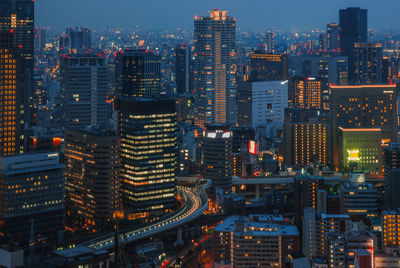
column 56, row 141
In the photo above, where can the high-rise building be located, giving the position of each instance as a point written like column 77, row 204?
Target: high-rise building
column 363, row 107
column 217, row 149
column 254, row 242
column 84, row 91
column 262, row 102
column 392, row 175
column 332, row 37
column 267, row 66
column 148, row 133
column 391, row 228
column 12, row 96
column 40, row 39
column 353, row 29
column 358, row 198
column 336, row 250
column 305, row 193
column 75, row 41
column 360, row 148
column 138, row 74
column 305, row 140
column 368, row 63
column 270, row 42
column 316, row 230
column 32, row 187
column 91, row 175
column 214, row 69
column 306, row 93
column 182, row 71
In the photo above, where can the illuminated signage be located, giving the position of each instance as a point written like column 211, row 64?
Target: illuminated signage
column 353, row 155
column 252, row 147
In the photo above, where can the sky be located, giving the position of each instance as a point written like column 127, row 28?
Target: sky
column 172, row 14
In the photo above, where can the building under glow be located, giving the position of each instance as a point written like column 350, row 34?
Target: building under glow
column 306, row 93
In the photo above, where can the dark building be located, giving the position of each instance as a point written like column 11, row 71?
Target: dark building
column 332, row 37
column 32, row 195
column 368, row 63
column 266, row 67
column 241, row 137
column 392, row 176
column 217, row 149
column 182, row 71
column 13, row 96
column 353, row 29
column 363, row 107
column 305, row 194
column 148, row 133
column 91, row 177
column 138, row 74
column 75, row 41
column 270, row 42
column 84, row 91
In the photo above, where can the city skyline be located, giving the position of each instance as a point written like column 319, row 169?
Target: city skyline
column 250, row 15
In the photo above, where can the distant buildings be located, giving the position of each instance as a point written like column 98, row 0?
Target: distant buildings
column 182, row 69
column 83, row 91
column 75, row 41
column 332, row 37
column 91, row 175
column 270, row 42
column 258, row 240
column 268, row 66
column 32, row 187
column 260, row 103
column 214, row 69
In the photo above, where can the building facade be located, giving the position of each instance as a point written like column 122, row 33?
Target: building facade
column 368, row 63
column 268, row 67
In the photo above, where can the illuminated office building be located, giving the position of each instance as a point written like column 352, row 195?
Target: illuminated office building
column 75, row 41
column 83, row 91
column 12, row 96
column 306, row 92
column 267, row 67
column 137, row 74
column 360, row 148
column 254, row 242
column 182, row 71
column 91, row 176
column 369, row 106
column 353, row 29
column 214, row 69
column 332, row 37
column 148, row 134
column 217, row 148
column 32, row 187
column 316, row 230
column 368, row 63
column 391, row 228
column 392, row 175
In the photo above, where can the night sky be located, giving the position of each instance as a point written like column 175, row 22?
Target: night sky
column 250, row 14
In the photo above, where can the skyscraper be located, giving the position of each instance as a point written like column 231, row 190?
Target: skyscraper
column 332, row 37
column 75, row 41
column 83, row 91
column 392, row 175
column 270, row 42
column 138, row 74
column 368, row 63
column 266, row 67
column 182, row 72
column 148, row 133
column 353, row 29
column 91, row 177
column 214, row 69
column 12, row 96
